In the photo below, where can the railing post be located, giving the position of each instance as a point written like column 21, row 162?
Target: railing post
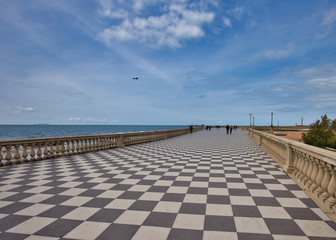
column 289, row 164
column 120, row 141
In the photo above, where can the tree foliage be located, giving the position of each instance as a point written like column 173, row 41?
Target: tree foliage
column 322, row 133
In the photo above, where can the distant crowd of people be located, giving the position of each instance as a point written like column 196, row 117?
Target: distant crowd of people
column 228, row 127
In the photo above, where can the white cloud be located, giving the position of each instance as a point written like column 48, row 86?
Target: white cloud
column 276, row 53
column 19, row 109
column 227, row 22
column 74, row 119
column 329, row 82
column 179, row 22
column 237, row 12
column 329, row 17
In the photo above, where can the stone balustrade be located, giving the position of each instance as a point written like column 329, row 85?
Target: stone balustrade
column 312, row 168
column 19, row 151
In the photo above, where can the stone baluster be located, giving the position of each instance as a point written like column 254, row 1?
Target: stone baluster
column 331, row 201
column 304, row 169
column 320, row 175
column 57, row 150
column 32, row 152
column 300, row 165
column 45, row 150
column 17, row 154
column 82, row 145
column 77, row 145
column 325, row 182
column 67, row 147
column 73, row 147
column 1, row 157
column 314, row 173
column 8, row 156
column 39, row 152
column 306, row 180
column 51, row 149
column 63, row 148
column 24, row 153
column 90, row 145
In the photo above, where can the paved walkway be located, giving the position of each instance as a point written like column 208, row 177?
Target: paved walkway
column 205, row 185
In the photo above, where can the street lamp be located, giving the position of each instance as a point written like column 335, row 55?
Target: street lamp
column 251, row 114
column 253, row 120
column 301, row 124
column 272, row 130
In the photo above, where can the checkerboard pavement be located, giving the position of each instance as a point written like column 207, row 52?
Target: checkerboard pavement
column 205, row 185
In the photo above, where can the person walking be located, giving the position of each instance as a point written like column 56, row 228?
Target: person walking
column 231, row 129
column 191, row 128
column 227, row 129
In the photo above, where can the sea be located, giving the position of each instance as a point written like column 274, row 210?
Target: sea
column 10, row 132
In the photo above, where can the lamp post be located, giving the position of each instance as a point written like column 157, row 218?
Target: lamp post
column 253, row 120
column 301, row 129
column 251, row 114
column 272, row 130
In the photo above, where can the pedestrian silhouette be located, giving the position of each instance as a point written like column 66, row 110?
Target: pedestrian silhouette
column 227, row 129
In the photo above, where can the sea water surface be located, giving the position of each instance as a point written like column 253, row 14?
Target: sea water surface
column 9, row 132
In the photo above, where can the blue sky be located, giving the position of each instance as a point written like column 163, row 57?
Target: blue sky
column 211, row 62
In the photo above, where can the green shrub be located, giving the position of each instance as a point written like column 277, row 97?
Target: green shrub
column 321, row 133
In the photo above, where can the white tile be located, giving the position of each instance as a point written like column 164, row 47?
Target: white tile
column 76, row 201
column 39, row 189
column 153, row 196
column 218, row 191
column 5, row 203
column 321, row 214
column 195, row 198
column 177, row 189
column 251, row 225
column 260, row 193
column 104, row 186
column 32, row 225
column 217, row 179
column 242, row 200
column 199, row 184
column 98, row 180
column 291, row 202
column 81, row 213
column 236, row 185
column 275, row 187
column 288, row 237
column 36, row 198
column 73, row 191
column 110, row 194
column 35, row 237
column 34, row 210
column 139, row 188
column 120, row 204
column 189, row 221
column 316, row 228
column 219, row 210
column 151, row 233
column 70, row 184
column 172, row 207
column 300, row 194
column 132, row 217
column 88, row 230
column 273, row 212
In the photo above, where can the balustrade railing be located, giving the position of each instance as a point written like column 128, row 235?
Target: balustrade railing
column 313, row 168
column 19, row 151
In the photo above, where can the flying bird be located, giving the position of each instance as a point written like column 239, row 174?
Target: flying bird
column 135, row 78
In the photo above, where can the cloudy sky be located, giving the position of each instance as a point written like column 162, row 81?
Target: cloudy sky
column 206, row 61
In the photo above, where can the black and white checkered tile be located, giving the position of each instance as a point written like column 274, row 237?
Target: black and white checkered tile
column 207, row 185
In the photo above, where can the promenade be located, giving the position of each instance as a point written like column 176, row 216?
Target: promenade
column 205, row 185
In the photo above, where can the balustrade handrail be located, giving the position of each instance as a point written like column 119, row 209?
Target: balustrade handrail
column 23, row 150
column 312, row 168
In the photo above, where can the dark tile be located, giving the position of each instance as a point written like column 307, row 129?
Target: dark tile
column 181, row 183
column 130, row 195
column 270, row 181
column 192, row 208
column 173, row 197
column 196, row 190
column 255, row 186
column 22, row 188
column 114, row 180
column 55, row 190
column 282, row 193
column 292, row 187
column 185, row 234
column 302, row 213
column 106, row 215
column 200, row 179
column 160, row 219
column 57, row 211
column 239, row 192
column 248, row 176
column 142, row 205
column 245, row 211
column 14, row 207
column 11, row 221
column 13, row 236
column 309, row 203
column 158, row 189
column 87, row 185
column 254, row 236
column 91, row 193
column 235, row 180
column 219, row 223
column 146, row 182
column 217, row 185
column 218, row 199
column 17, row 197
column 122, row 187
column 56, row 199
column 118, row 231
column 168, row 178
column 97, row 202
column 59, row 228
column 266, row 201
column 283, row 226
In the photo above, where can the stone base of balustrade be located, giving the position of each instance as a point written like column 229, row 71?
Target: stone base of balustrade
column 288, row 169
